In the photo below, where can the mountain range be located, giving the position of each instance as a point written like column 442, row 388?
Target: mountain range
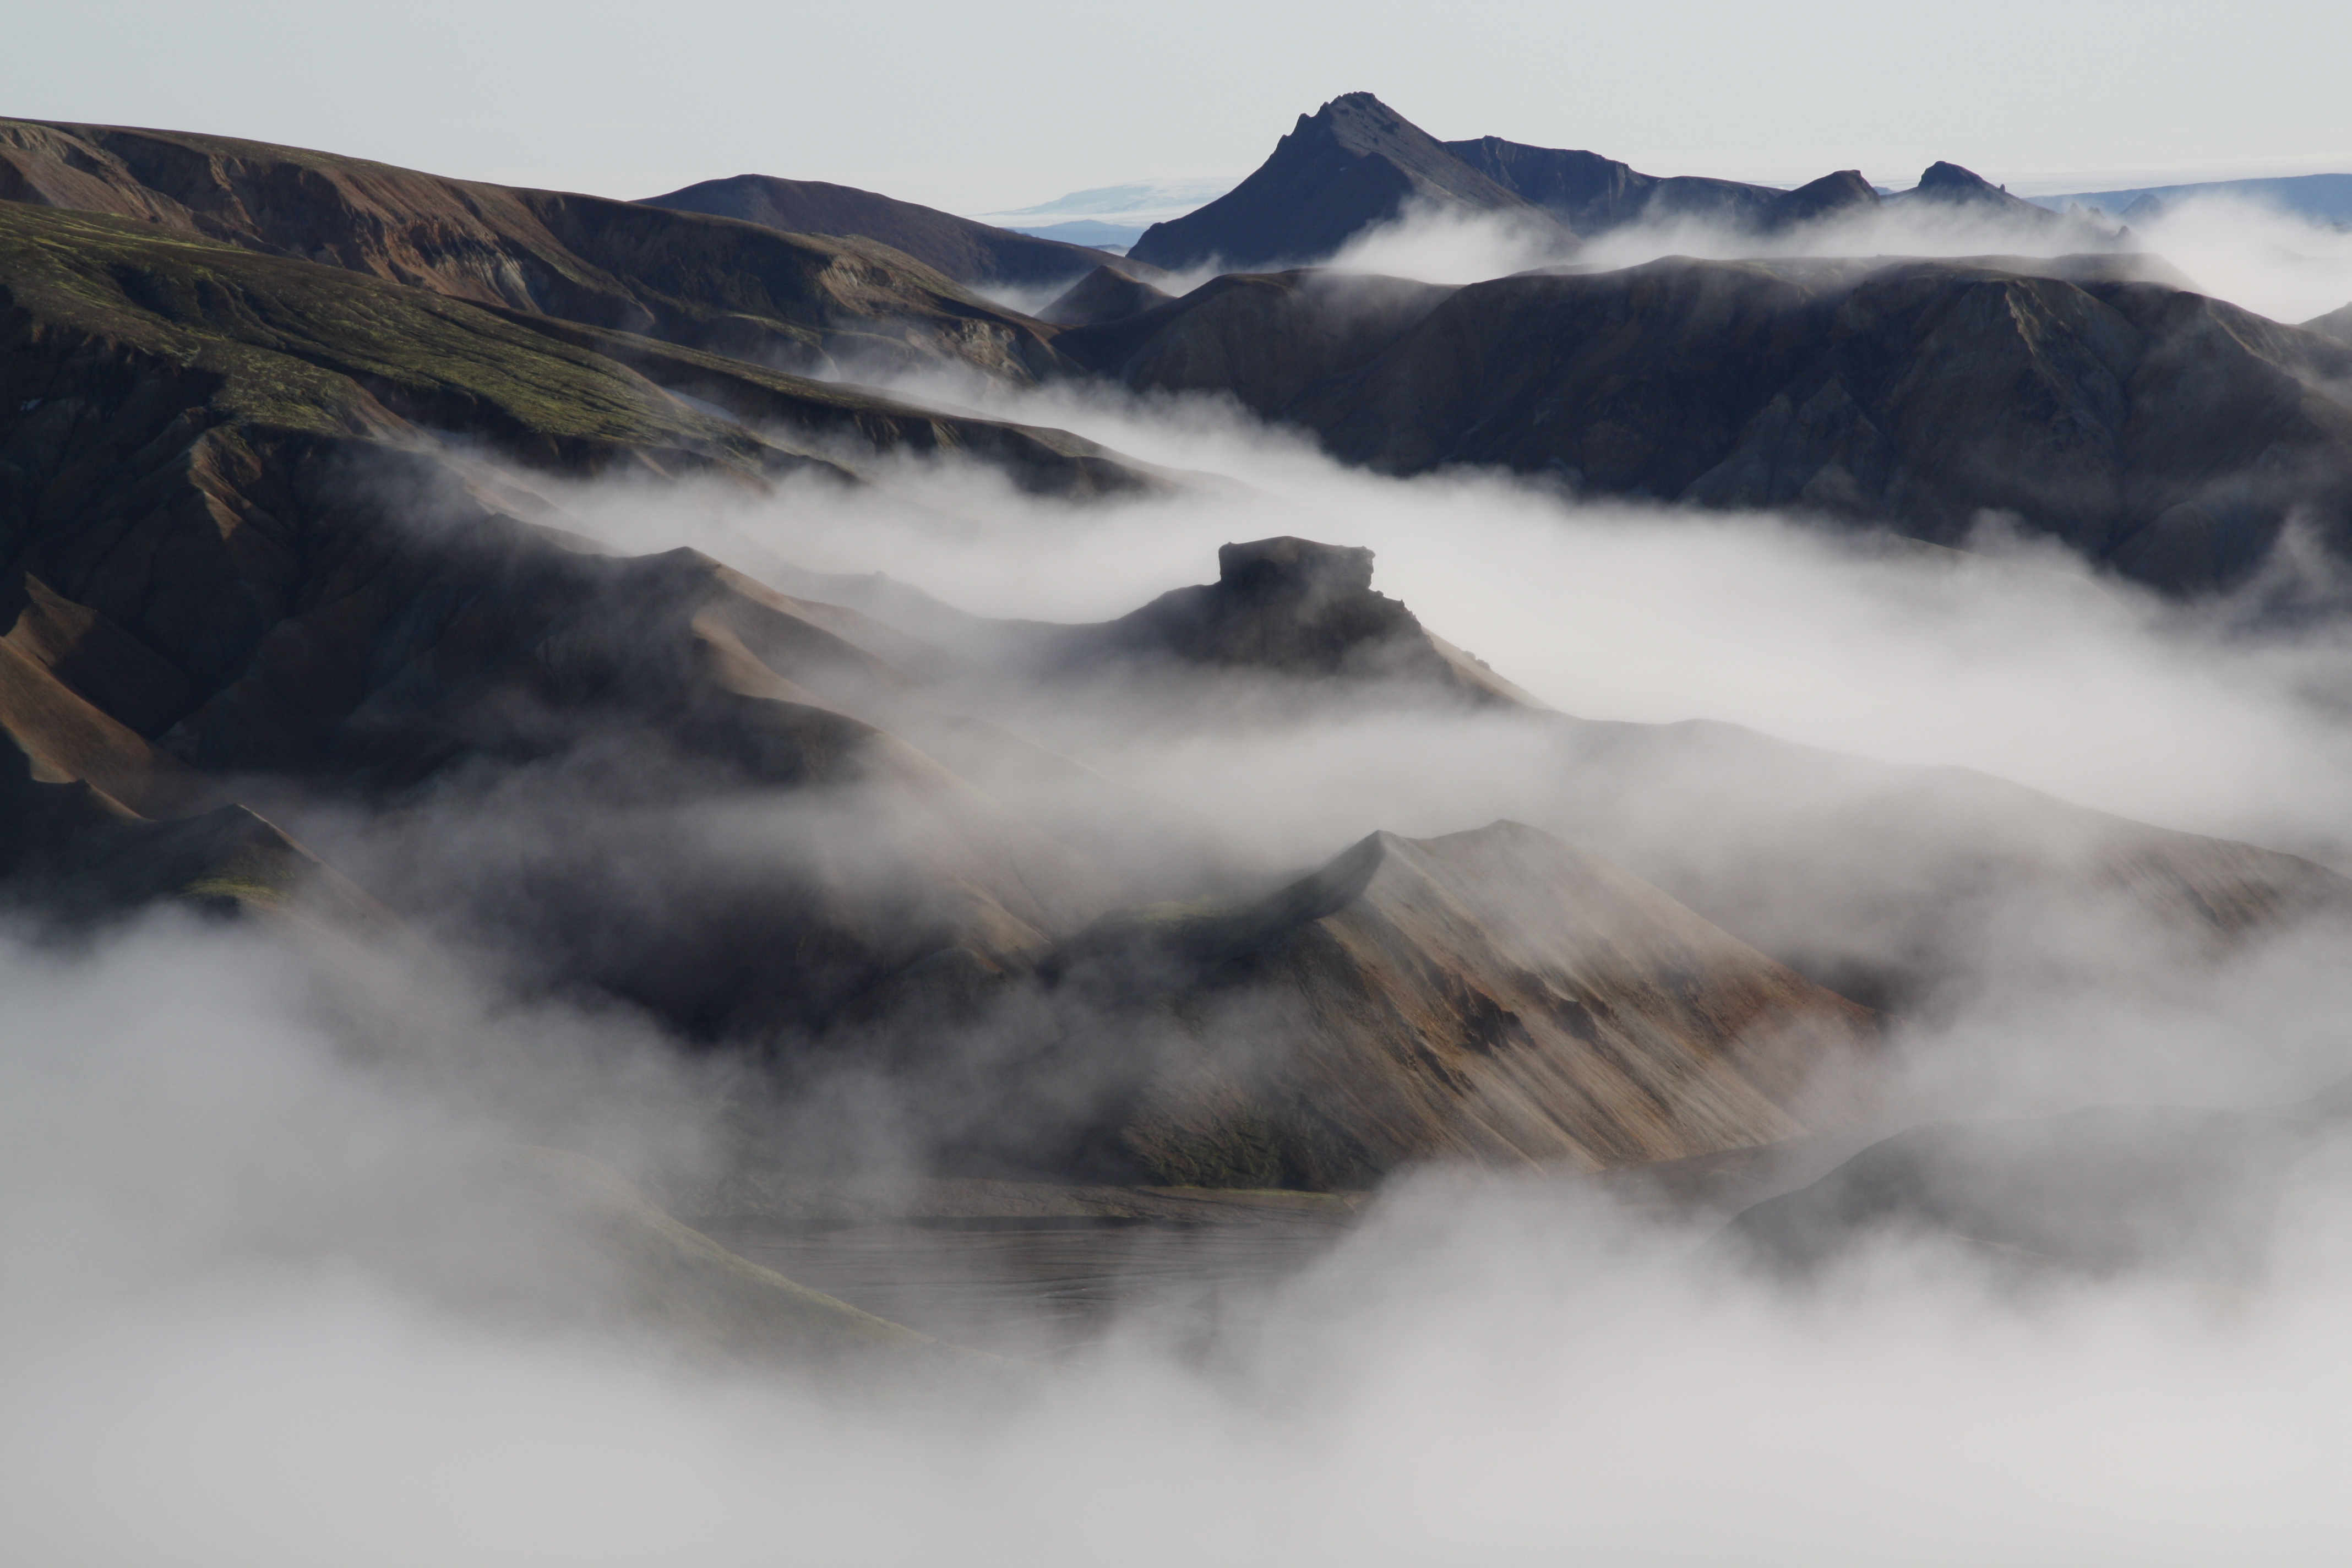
column 1356, row 164
column 300, row 630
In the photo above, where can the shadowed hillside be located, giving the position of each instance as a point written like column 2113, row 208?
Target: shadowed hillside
column 2156, row 431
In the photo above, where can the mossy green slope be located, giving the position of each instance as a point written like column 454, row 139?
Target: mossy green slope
column 807, row 302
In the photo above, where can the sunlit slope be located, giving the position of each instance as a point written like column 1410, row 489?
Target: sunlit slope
column 956, row 247
column 1892, row 882
column 1498, row 996
column 794, row 299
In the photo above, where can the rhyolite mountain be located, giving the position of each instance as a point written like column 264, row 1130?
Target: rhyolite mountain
column 251, row 567
column 965, row 250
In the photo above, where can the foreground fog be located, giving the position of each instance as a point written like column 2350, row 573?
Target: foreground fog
column 242, row 1332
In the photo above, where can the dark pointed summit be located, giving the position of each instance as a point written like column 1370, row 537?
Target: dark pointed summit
column 1353, row 163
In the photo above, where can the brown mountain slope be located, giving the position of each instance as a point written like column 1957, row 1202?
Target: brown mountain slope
column 243, row 546
column 1498, row 996
column 794, row 301
column 1102, row 296
column 958, row 247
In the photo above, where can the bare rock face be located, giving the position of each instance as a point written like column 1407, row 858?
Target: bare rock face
column 1287, row 608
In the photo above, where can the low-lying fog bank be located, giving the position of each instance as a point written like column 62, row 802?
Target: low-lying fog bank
column 250, row 1324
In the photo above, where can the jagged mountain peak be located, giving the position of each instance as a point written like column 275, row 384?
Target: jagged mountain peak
column 1359, row 119
column 1352, row 165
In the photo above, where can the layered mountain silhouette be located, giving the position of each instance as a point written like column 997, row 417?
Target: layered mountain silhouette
column 959, row 247
column 2165, row 436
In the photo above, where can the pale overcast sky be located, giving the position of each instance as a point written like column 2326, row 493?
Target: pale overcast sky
column 978, row 107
